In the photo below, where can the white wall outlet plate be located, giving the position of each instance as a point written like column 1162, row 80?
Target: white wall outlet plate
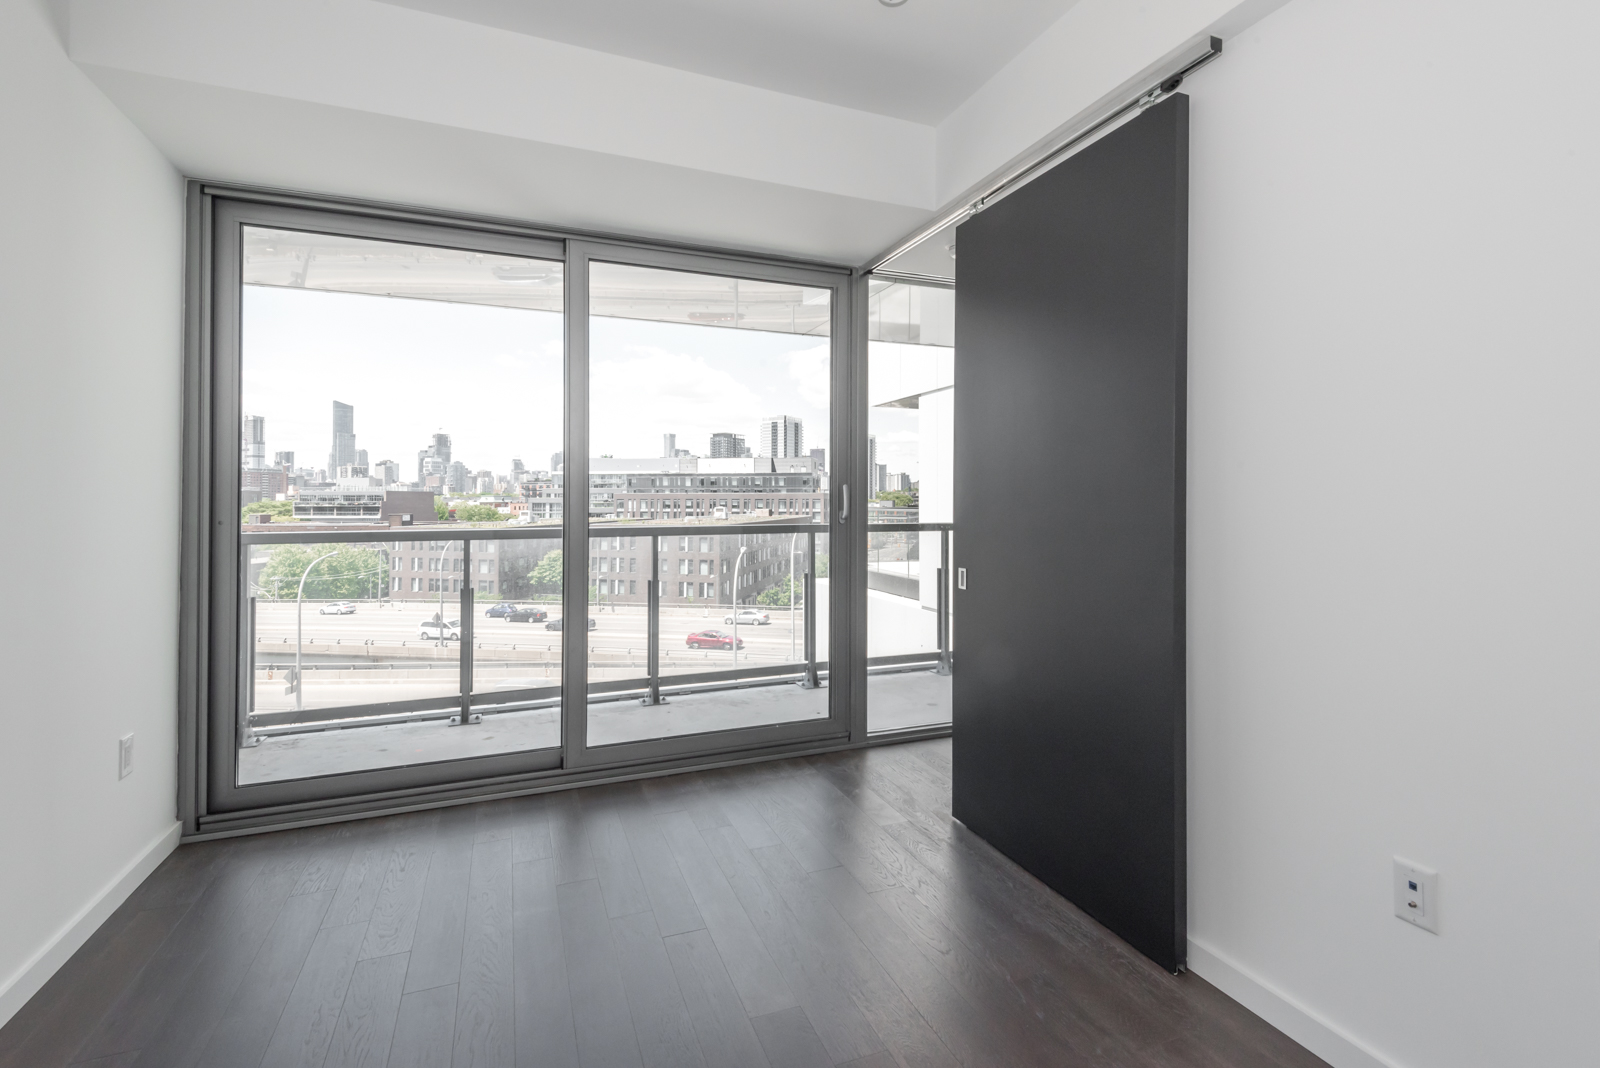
column 961, row 578
column 125, row 756
column 1416, row 895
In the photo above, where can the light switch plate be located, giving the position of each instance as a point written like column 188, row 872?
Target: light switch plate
column 961, row 578
column 125, row 756
column 1416, row 895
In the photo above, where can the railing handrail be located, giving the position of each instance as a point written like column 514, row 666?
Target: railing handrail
column 309, row 534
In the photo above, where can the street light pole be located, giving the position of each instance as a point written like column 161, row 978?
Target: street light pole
column 793, row 538
column 299, row 598
column 736, row 563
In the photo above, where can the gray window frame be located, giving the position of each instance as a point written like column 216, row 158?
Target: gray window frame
column 208, row 801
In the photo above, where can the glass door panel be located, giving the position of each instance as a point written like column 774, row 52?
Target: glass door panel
column 400, row 408
column 709, row 417
column 910, row 459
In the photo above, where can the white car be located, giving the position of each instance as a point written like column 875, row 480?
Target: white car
column 338, row 608
column 430, row 630
column 750, row 616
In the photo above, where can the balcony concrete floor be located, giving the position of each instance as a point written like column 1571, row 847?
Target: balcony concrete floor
column 896, row 701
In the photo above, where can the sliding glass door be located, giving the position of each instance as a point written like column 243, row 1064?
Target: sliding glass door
column 487, row 507
column 910, row 538
column 709, row 420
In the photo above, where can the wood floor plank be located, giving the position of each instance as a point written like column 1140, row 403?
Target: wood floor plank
column 800, row 950
column 424, row 1028
column 441, row 919
column 761, row 986
column 393, row 924
column 727, row 788
column 670, row 897
column 78, row 996
column 620, row 883
column 849, row 963
column 546, row 1036
column 530, row 831
column 808, row 849
column 600, row 1015
column 235, row 910
column 485, row 1014
column 365, row 1028
column 569, row 838
column 847, row 783
column 721, row 1025
column 242, row 1035
column 660, row 1019
column 367, row 873
column 972, row 1036
column 789, row 1040
column 305, row 1029
column 200, row 1004
column 878, row 1060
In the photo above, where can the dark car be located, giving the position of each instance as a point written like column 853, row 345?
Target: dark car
column 495, row 611
column 555, row 624
column 527, row 614
column 713, row 639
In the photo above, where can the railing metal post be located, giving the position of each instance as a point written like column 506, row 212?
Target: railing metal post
column 809, row 679
column 653, row 626
column 247, row 736
column 942, row 603
column 464, row 643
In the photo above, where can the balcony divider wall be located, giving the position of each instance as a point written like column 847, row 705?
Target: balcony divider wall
column 217, row 636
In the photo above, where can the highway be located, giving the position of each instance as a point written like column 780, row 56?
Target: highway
column 619, row 630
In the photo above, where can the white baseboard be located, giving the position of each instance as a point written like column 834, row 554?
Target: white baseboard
column 16, row 990
column 1306, row 1026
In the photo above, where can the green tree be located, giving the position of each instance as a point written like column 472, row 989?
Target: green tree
column 441, row 508
column 822, row 565
column 480, row 513
column 778, row 596
column 352, row 571
column 276, row 509
column 546, row 574
column 898, row 498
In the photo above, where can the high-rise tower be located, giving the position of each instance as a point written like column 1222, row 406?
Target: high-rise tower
column 782, row 435
column 253, row 443
column 344, row 436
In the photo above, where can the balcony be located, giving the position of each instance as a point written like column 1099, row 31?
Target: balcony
column 343, row 681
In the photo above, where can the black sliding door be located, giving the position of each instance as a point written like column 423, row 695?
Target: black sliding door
column 1069, row 422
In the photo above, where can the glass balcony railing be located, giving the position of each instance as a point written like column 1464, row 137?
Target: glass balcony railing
column 396, row 628
column 909, row 625
column 691, row 611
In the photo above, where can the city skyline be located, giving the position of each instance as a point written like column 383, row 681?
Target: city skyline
column 412, row 369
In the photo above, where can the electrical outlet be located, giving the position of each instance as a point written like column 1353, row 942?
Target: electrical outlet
column 961, row 578
column 1416, row 895
column 125, row 756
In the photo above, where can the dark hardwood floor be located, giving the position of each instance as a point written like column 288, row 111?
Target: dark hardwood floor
column 820, row 911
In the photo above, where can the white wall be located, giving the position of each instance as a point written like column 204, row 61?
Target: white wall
column 90, row 372
column 1394, row 503
column 1068, row 71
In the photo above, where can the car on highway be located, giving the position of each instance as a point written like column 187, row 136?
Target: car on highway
column 555, row 624
column 527, row 614
column 338, row 608
column 750, row 616
column 495, row 611
column 713, row 639
column 430, row 630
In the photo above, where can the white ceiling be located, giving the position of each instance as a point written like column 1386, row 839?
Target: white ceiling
column 917, row 61
column 776, row 126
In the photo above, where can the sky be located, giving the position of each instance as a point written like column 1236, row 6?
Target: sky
column 491, row 378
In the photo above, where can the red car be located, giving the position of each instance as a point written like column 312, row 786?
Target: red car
column 713, row 639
